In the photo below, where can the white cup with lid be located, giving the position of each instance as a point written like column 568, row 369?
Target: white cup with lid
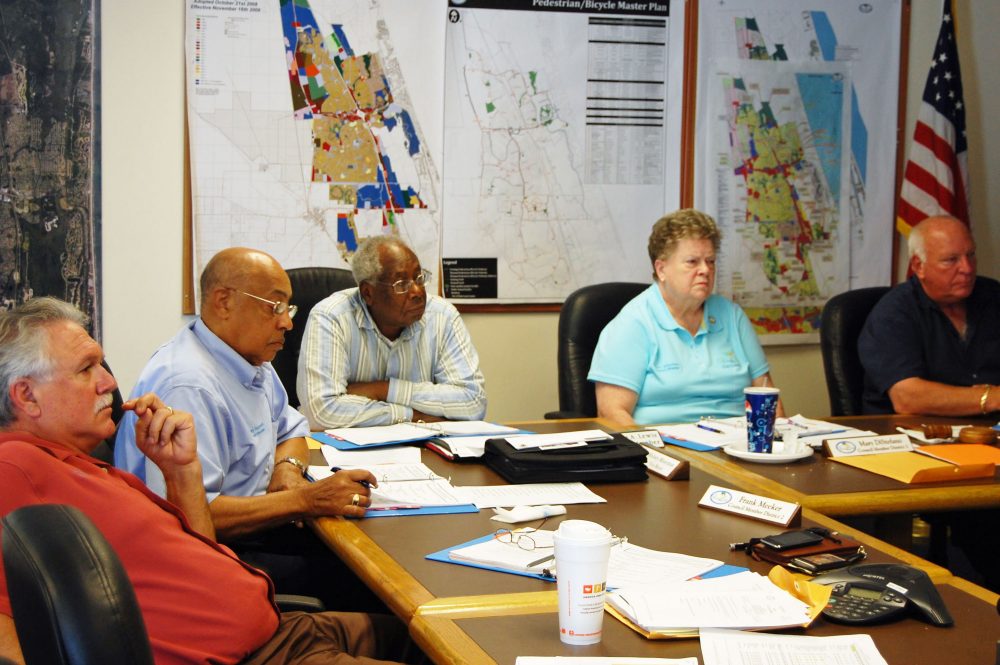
column 582, row 550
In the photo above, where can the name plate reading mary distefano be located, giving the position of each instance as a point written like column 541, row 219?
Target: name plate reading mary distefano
column 868, row 445
column 749, row 505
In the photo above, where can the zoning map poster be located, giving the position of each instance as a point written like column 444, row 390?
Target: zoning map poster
column 306, row 127
column 49, row 177
column 525, row 147
column 795, row 152
column 561, row 143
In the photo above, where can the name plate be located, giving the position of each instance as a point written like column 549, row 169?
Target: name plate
column 645, row 437
column 749, row 505
column 664, row 465
column 868, row 445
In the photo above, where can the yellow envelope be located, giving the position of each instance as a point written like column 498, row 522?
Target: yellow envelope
column 909, row 467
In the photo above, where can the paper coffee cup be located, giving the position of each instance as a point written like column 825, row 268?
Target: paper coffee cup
column 582, row 550
column 761, row 404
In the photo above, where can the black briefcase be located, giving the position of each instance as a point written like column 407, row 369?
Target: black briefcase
column 613, row 461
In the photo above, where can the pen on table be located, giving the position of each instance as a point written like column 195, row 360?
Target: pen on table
column 367, row 484
column 710, row 429
column 821, row 433
column 542, row 560
column 413, row 507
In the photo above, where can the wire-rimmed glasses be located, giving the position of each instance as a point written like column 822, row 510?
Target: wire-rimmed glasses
column 401, row 286
column 521, row 537
column 277, row 306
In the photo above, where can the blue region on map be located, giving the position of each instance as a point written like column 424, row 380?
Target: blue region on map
column 338, row 31
column 294, row 16
column 818, row 91
column 345, row 233
column 412, row 142
column 859, row 133
column 373, row 196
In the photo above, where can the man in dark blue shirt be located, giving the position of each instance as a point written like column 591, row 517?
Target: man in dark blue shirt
column 932, row 344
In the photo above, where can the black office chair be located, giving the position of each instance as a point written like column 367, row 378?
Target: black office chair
column 309, row 286
column 843, row 318
column 583, row 316
column 72, row 601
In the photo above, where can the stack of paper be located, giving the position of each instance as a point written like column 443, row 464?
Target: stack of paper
column 715, row 433
column 402, row 486
column 726, row 647
column 347, row 438
column 628, row 565
column 678, row 609
column 533, row 494
column 492, row 552
column 813, row 432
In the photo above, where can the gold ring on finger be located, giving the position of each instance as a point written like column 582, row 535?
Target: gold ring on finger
column 356, row 500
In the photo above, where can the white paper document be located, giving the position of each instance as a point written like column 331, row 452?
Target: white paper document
column 557, row 439
column 366, row 436
column 414, row 494
column 462, row 447
column 359, row 458
column 537, row 494
column 743, row 600
column 526, row 550
column 531, row 550
column 813, row 432
column 631, row 565
column 713, row 433
column 391, row 473
column 602, row 660
column 469, row 428
column 733, row 647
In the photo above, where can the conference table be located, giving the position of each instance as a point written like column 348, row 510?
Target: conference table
column 839, row 490
column 460, row 614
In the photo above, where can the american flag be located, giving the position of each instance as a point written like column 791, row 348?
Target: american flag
column 935, row 180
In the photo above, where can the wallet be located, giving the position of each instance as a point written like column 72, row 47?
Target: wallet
column 835, row 550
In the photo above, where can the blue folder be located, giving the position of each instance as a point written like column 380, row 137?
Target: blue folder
column 425, row 510
column 443, row 556
column 690, row 445
column 721, row 571
column 340, row 444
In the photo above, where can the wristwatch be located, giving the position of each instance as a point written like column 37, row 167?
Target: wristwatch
column 297, row 463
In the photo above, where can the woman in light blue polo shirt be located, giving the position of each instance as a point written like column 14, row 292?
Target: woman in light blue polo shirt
column 677, row 352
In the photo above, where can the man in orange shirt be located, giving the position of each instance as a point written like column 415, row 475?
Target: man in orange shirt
column 199, row 602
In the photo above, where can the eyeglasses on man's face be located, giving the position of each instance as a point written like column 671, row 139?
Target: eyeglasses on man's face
column 277, row 307
column 401, row 286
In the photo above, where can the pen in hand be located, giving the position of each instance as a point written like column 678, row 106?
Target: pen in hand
column 365, row 483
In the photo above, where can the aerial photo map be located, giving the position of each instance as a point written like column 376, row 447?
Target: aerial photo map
column 49, row 233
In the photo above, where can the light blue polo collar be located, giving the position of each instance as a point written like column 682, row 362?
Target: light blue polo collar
column 249, row 376
column 711, row 320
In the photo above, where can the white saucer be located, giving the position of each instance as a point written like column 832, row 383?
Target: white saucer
column 768, row 458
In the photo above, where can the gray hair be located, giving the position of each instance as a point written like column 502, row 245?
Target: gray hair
column 367, row 263
column 23, row 351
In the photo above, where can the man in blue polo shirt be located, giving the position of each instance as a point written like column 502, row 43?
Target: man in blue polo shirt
column 932, row 344
column 251, row 442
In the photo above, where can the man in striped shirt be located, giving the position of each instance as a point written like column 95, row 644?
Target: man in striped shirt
column 386, row 352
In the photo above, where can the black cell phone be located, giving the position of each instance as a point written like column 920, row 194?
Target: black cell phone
column 791, row 539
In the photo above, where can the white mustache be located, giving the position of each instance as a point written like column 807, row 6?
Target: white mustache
column 103, row 402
